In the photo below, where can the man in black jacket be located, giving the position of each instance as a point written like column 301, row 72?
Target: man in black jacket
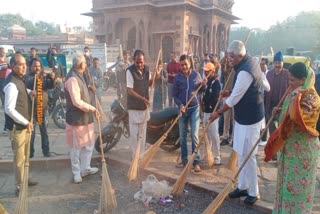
column 47, row 82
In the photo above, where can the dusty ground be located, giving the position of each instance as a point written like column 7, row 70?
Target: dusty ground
column 56, row 194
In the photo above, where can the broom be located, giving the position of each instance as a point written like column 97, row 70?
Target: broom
column 107, row 197
column 22, row 203
column 209, row 155
column 222, row 195
column 148, row 155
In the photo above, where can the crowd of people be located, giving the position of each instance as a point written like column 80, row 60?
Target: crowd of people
column 251, row 99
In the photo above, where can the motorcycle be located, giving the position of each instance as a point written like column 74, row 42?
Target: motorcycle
column 109, row 78
column 158, row 124
column 57, row 106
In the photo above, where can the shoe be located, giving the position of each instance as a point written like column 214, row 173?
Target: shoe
column 250, row 200
column 224, row 142
column 90, row 171
column 4, row 132
column 31, row 155
column 217, row 161
column 237, row 193
column 181, row 165
column 262, row 143
column 32, row 183
column 47, row 155
column 17, row 192
column 197, row 168
column 77, row 179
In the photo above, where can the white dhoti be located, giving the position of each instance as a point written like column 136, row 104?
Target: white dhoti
column 245, row 136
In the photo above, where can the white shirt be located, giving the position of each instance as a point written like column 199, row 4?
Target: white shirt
column 12, row 92
column 266, row 85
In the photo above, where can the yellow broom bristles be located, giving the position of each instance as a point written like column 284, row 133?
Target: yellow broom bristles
column 233, row 160
column 22, row 203
column 107, row 198
column 178, row 186
column 208, row 151
column 148, row 155
column 133, row 170
column 2, row 210
column 216, row 203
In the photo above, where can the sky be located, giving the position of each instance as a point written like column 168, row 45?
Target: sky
column 254, row 13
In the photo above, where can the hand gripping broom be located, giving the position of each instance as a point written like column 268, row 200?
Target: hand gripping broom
column 107, row 198
column 148, row 155
column 180, row 182
column 22, row 203
column 216, row 203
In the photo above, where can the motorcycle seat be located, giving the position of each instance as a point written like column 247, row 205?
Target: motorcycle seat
column 158, row 118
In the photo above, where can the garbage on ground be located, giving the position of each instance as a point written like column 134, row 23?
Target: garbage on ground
column 154, row 189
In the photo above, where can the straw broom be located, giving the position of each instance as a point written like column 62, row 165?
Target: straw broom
column 148, row 155
column 2, row 210
column 208, row 151
column 107, row 197
column 22, row 203
column 180, row 182
column 222, row 195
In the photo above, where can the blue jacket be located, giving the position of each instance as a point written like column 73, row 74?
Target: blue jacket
column 183, row 87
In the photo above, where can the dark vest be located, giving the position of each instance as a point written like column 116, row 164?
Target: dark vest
column 23, row 105
column 141, row 86
column 250, row 109
column 74, row 115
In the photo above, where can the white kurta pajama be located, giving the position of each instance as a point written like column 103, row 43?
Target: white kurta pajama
column 245, row 136
column 137, row 123
column 80, row 139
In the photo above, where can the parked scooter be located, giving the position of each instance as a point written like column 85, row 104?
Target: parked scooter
column 157, row 125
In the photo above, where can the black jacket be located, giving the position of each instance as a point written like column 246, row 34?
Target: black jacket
column 211, row 95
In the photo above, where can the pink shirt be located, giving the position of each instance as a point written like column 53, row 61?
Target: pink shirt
column 79, row 135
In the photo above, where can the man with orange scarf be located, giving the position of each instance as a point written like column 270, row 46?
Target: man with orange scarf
column 298, row 143
column 43, row 83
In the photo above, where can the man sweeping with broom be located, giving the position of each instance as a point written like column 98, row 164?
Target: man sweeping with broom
column 18, row 115
column 247, row 100
column 79, row 120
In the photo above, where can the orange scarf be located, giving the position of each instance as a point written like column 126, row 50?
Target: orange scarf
column 39, row 100
column 302, row 115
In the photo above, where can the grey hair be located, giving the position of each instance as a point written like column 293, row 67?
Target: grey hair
column 237, row 47
column 77, row 59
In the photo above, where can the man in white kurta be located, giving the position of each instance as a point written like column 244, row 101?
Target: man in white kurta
column 247, row 100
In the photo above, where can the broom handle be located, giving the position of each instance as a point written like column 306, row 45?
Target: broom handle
column 99, row 127
column 154, row 74
column 164, row 136
column 261, row 135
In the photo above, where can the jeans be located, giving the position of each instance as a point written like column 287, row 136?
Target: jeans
column 192, row 117
column 44, row 136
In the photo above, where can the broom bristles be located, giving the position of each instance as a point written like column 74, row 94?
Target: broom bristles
column 22, row 203
column 233, row 160
column 208, row 151
column 148, row 155
column 133, row 170
column 2, row 210
column 216, row 203
column 178, row 186
column 107, row 197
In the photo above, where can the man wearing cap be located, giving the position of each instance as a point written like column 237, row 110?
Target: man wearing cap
column 210, row 99
column 278, row 79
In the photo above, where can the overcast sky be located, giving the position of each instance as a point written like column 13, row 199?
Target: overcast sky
column 254, row 13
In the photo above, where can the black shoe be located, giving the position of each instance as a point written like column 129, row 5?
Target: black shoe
column 237, row 193
column 250, row 200
column 47, row 155
column 224, row 142
column 31, row 155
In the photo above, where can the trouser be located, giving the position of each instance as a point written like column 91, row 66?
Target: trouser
column 170, row 96
column 213, row 135
column 226, row 124
column 80, row 157
column 2, row 83
column 138, row 133
column 192, row 117
column 44, row 136
column 19, row 143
